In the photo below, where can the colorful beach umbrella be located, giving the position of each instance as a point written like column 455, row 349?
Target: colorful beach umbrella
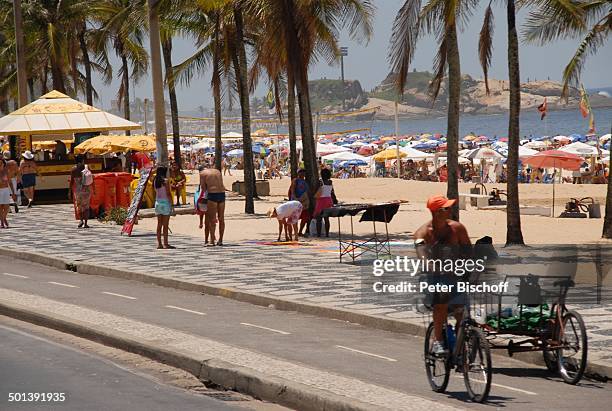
column 389, row 154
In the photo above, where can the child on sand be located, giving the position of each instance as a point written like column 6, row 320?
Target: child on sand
column 288, row 215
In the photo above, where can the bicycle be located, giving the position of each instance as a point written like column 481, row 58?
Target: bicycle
column 471, row 355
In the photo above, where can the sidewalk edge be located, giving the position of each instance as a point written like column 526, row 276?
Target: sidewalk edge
column 224, row 374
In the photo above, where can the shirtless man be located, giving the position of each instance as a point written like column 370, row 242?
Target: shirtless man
column 28, row 175
column 211, row 181
column 442, row 231
column 14, row 177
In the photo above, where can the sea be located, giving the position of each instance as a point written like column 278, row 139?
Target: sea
column 560, row 122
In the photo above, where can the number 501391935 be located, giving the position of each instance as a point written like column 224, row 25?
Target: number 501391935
column 36, row 397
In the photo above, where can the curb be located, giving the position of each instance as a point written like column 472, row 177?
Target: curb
column 226, row 375
column 595, row 370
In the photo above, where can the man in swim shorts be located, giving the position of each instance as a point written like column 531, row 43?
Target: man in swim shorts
column 211, row 182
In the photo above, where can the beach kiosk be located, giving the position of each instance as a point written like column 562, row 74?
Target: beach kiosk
column 52, row 117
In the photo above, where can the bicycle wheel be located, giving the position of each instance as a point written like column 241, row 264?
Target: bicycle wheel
column 437, row 367
column 476, row 361
column 572, row 359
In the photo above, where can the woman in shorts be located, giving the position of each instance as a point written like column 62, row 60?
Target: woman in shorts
column 28, row 170
column 163, row 206
column 7, row 194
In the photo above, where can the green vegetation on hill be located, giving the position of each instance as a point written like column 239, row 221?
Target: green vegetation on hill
column 328, row 92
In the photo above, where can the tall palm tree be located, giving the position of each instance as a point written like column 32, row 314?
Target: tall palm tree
column 514, row 234
column 589, row 20
column 122, row 27
column 440, row 18
column 239, row 60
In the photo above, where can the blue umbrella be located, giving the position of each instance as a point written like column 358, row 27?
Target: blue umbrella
column 353, row 163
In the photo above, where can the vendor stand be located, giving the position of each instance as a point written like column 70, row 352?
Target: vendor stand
column 55, row 116
column 379, row 243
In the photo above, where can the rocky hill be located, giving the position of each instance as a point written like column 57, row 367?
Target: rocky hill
column 474, row 99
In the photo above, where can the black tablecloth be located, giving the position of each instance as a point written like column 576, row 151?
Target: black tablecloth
column 373, row 212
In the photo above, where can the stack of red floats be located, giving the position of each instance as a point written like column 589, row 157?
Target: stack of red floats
column 110, row 190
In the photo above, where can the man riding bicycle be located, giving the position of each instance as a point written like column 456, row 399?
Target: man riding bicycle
column 443, row 238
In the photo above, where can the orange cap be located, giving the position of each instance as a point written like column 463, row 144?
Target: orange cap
column 437, row 202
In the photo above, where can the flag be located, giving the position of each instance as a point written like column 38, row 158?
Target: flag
column 585, row 106
column 592, row 124
column 270, row 99
column 542, row 108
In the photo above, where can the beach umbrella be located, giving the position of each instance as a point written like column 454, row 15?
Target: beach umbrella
column 135, row 143
column 580, row 149
column 604, row 138
column 343, row 156
column 536, row 144
column 412, row 153
column 262, row 132
column 555, row 159
column 469, row 137
column 200, row 146
column 484, row 152
column 365, row 150
column 389, row 154
column 324, row 149
column 503, row 139
column 606, row 160
column 232, row 134
column 353, row 163
column 238, row 152
column 97, row 145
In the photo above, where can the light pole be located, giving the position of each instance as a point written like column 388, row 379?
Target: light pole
column 158, row 85
column 343, row 54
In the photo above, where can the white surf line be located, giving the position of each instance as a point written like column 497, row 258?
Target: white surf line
column 505, row 386
column 15, row 275
column 184, row 309
column 266, row 328
column 366, row 353
column 63, row 284
column 119, row 295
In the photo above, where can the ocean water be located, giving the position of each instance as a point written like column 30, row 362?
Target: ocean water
column 564, row 122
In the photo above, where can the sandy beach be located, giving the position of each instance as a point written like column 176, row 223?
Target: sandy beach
column 536, row 229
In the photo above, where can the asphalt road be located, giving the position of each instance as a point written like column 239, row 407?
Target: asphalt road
column 31, row 364
column 388, row 359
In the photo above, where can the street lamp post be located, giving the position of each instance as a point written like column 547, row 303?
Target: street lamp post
column 343, row 54
column 158, row 85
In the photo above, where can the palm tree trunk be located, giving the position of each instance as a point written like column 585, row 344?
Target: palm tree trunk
column 43, row 80
column 514, row 235
column 87, row 65
column 607, row 226
column 452, row 132
column 216, row 86
column 293, row 158
column 126, row 89
column 31, row 88
column 240, row 66
column 57, row 77
column 176, row 133
column 20, row 54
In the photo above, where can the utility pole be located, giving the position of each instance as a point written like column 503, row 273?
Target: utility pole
column 146, row 118
column 158, row 85
column 22, row 82
column 343, row 54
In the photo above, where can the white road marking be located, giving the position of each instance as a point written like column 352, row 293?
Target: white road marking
column 505, row 386
column 63, row 284
column 367, row 353
column 266, row 328
column 184, row 309
column 15, row 275
column 119, row 295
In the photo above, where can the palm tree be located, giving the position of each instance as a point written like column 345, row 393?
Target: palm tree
column 436, row 17
column 514, row 234
column 20, row 53
column 590, row 20
column 122, row 26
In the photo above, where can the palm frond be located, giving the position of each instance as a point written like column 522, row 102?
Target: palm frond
column 439, row 70
column 485, row 45
column 405, row 33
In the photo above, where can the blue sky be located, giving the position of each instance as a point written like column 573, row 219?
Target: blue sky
column 368, row 62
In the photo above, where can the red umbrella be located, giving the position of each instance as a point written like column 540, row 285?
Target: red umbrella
column 555, row 159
